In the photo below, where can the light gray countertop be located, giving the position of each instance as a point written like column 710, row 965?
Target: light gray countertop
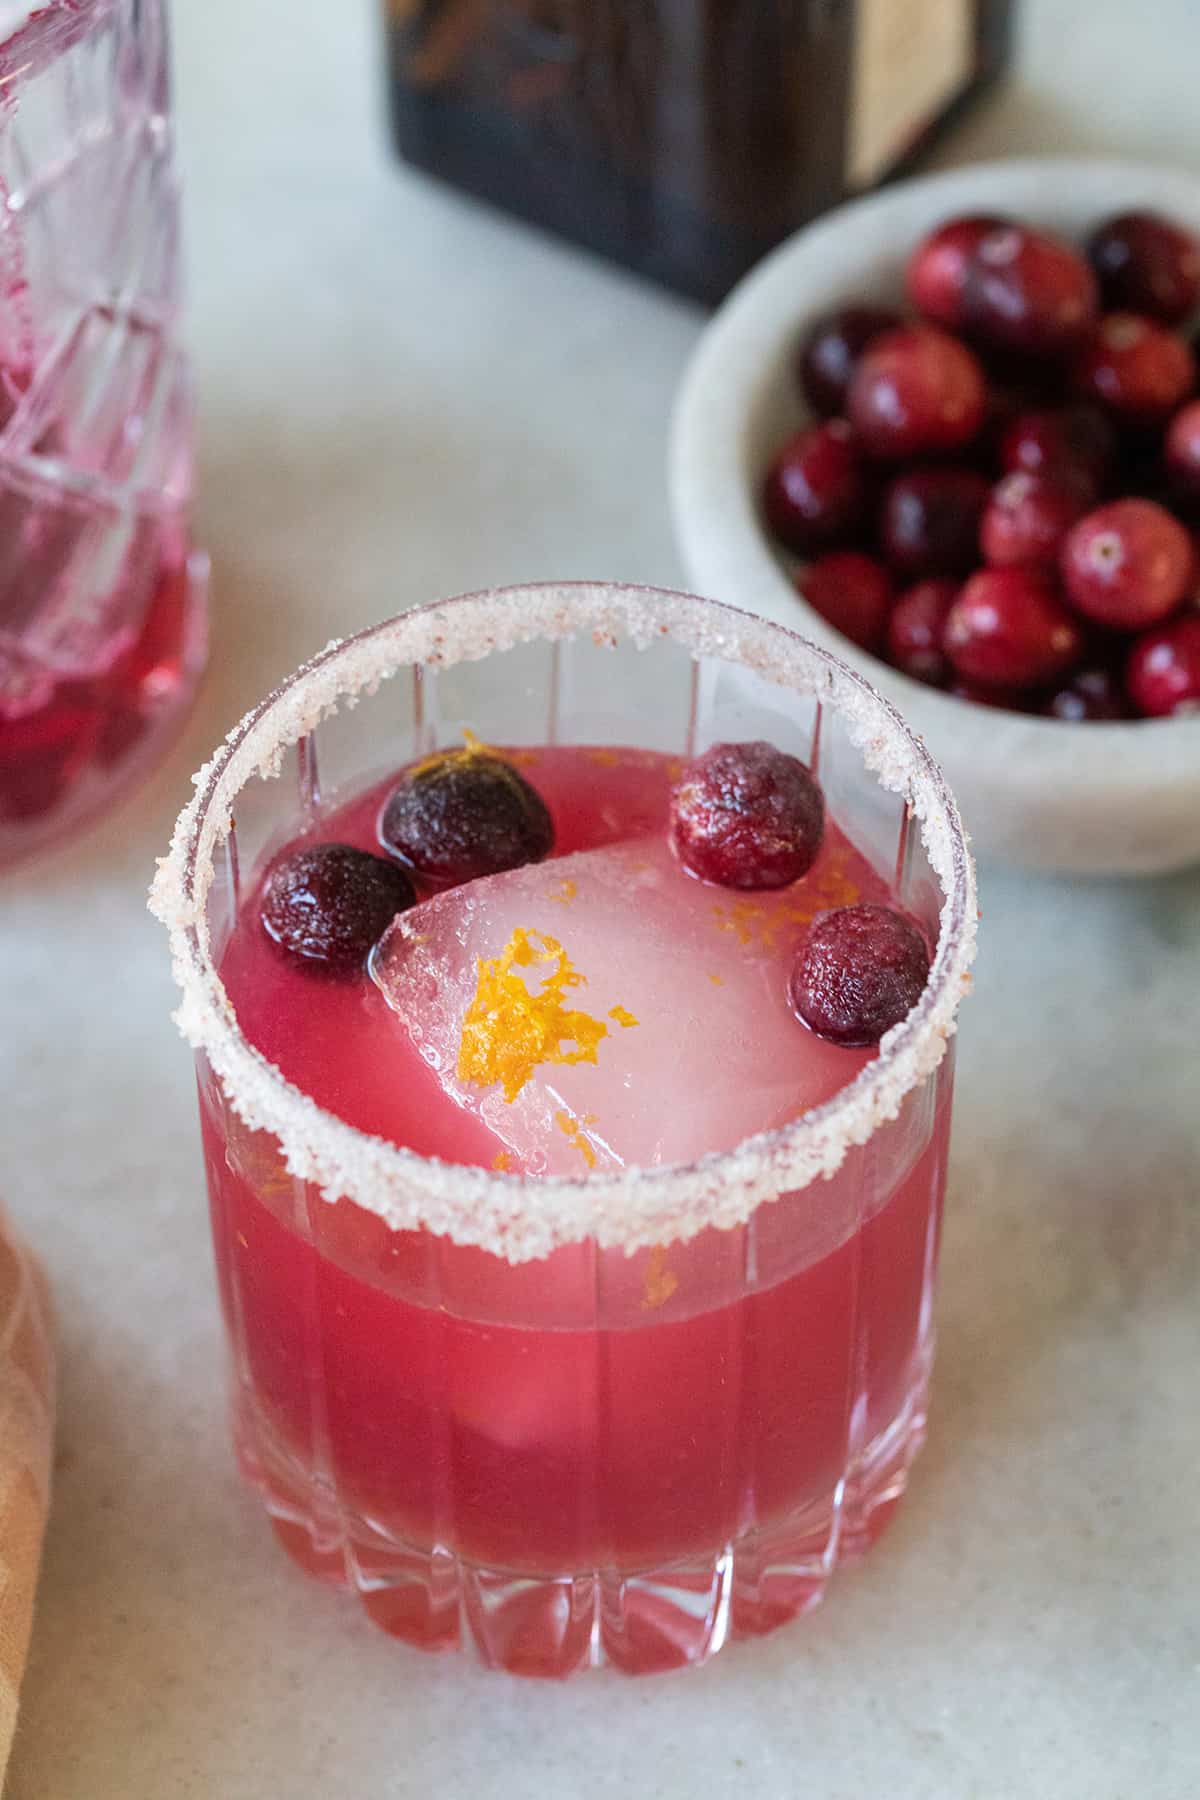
column 404, row 396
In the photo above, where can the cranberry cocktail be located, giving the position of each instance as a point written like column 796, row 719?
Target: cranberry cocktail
column 526, row 1060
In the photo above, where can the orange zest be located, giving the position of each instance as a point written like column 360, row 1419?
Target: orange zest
column 659, row 1282
column 508, row 1031
column 573, row 1131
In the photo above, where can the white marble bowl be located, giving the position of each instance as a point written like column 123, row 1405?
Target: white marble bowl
column 1085, row 799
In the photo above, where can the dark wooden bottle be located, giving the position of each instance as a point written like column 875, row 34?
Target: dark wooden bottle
column 682, row 137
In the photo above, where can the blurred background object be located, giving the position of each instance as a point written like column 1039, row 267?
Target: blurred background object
column 682, row 137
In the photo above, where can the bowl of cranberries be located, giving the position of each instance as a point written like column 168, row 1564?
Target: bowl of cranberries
column 952, row 432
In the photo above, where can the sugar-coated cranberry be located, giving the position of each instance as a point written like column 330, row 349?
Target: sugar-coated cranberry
column 915, row 629
column 462, row 814
column 830, row 352
column 852, row 591
column 1127, row 564
column 1090, row 694
column 1146, row 264
column 929, row 522
column 916, row 390
column 1137, row 369
column 816, row 489
column 747, row 816
column 1027, row 292
column 1181, row 454
column 1078, row 439
column 1162, row 676
column 1008, row 628
column 327, row 904
column 936, row 277
column 861, row 970
column 1028, row 516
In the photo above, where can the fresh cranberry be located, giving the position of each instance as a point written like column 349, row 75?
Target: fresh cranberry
column 1146, row 264
column 916, row 390
column 862, row 969
column 1078, row 439
column 1139, row 370
column 936, row 277
column 1163, row 673
column 1027, row 292
column 1028, row 516
column 747, row 816
column 1127, row 564
column 1181, row 453
column 1091, row 694
column 1001, row 699
column 830, row 352
column 1008, row 628
column 853, row 592
column 816, row 489
column 929, row 524
column 462, row 814
column 914, row 632
column 327, row 904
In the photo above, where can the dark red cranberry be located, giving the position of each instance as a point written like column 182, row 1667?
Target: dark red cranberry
column 914, row 632
column 327, row 904
column 1163, row 673
column 853, row 592
column 1028, row 517
column 1145, row 264
column 1026, row 291
column 830, row 352
column 1181, row 454
column 1008, row 628
column 1001, row 699
column 1091, row 694
column 816, row 489
column 747, row 816
column 462, row 814
column 1003, row 405
column 1077, row 439
column 1139, row 370
column 936, row 277
column 862, row 969
column 929, row 524
column 916, row 390
column 1127, row 564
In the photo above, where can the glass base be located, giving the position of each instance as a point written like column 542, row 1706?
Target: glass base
column 641, row 1622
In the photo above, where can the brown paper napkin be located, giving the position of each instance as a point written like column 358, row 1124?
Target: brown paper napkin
column 26, row 1435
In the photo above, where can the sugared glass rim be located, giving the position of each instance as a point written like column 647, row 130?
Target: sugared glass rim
column 516, row 1217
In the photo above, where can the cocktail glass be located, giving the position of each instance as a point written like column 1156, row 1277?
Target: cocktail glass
column 620, row 1418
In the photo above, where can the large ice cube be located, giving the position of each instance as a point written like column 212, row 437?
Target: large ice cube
column 605, row 1008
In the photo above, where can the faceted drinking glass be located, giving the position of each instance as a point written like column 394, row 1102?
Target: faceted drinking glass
column 102, row 602
column 620, row 1418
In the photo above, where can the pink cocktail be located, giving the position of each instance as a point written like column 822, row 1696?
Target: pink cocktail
column 102, row 601
column 573, row 1357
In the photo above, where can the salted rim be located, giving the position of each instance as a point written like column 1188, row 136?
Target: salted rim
column 514, row 1217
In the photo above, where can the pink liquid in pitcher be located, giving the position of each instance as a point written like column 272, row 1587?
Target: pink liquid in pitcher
column 102, row 615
